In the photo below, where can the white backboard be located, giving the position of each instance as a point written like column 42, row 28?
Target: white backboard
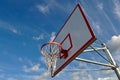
column 75, row 35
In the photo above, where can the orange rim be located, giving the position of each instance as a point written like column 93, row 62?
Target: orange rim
column 49, row 43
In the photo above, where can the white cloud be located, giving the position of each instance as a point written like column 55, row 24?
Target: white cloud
column 83, row 64
column 51, row 5
column 20, row 76
column 117, row 8
column 9, row 27
column 97, row 27
column 44, row 76
column 43, row 9
column 75, row 76
column 114, row 46
column 100, row 6
column 47, row 6
column 107, row 78
column 108, row 72
column 34, row 68
column 90, row 77
column 114, row 43
column 29, row 65
column 52, row 36
column 28, row 61
column 14, row 30
column 25, row 69
column 81, row 76
column 40, row 37
column 11, row 78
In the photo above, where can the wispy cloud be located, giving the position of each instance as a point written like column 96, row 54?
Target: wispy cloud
column 14, row 30
column 107, row 78
column 40, row 37
column 97, row 27
column 47, row 6
column 34, row 68
column 9, row 27
column 42, row 59
column 117, row 8
column 29, row 65
column 81, row 75
column 11, row 78
column 51, row 5
column 43, row 8
column 52, row 36
column 26, row 61
column 44, row 76
column 20, row 76
column 75, row 76
column 101, row 8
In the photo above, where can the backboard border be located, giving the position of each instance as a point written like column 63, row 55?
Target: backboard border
column 93, row 38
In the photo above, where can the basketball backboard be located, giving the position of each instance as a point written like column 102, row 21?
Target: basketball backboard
column 74, row 36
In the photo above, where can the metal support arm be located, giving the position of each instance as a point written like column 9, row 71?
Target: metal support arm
column 112, row 62
column 94, row 62
column 116, row 68
column 90, row 50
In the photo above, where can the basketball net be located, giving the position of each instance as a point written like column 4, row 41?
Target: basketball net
column 51, row 52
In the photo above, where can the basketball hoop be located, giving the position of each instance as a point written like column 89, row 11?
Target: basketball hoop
column 51, row 51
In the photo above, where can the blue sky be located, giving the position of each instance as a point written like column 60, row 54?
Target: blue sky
column 26, row 25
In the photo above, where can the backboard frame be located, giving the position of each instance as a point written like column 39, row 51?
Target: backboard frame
column 91, row 40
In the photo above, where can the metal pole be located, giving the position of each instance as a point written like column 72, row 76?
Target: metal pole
column 90, row 50
column 116, row 68
column 94, row 62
